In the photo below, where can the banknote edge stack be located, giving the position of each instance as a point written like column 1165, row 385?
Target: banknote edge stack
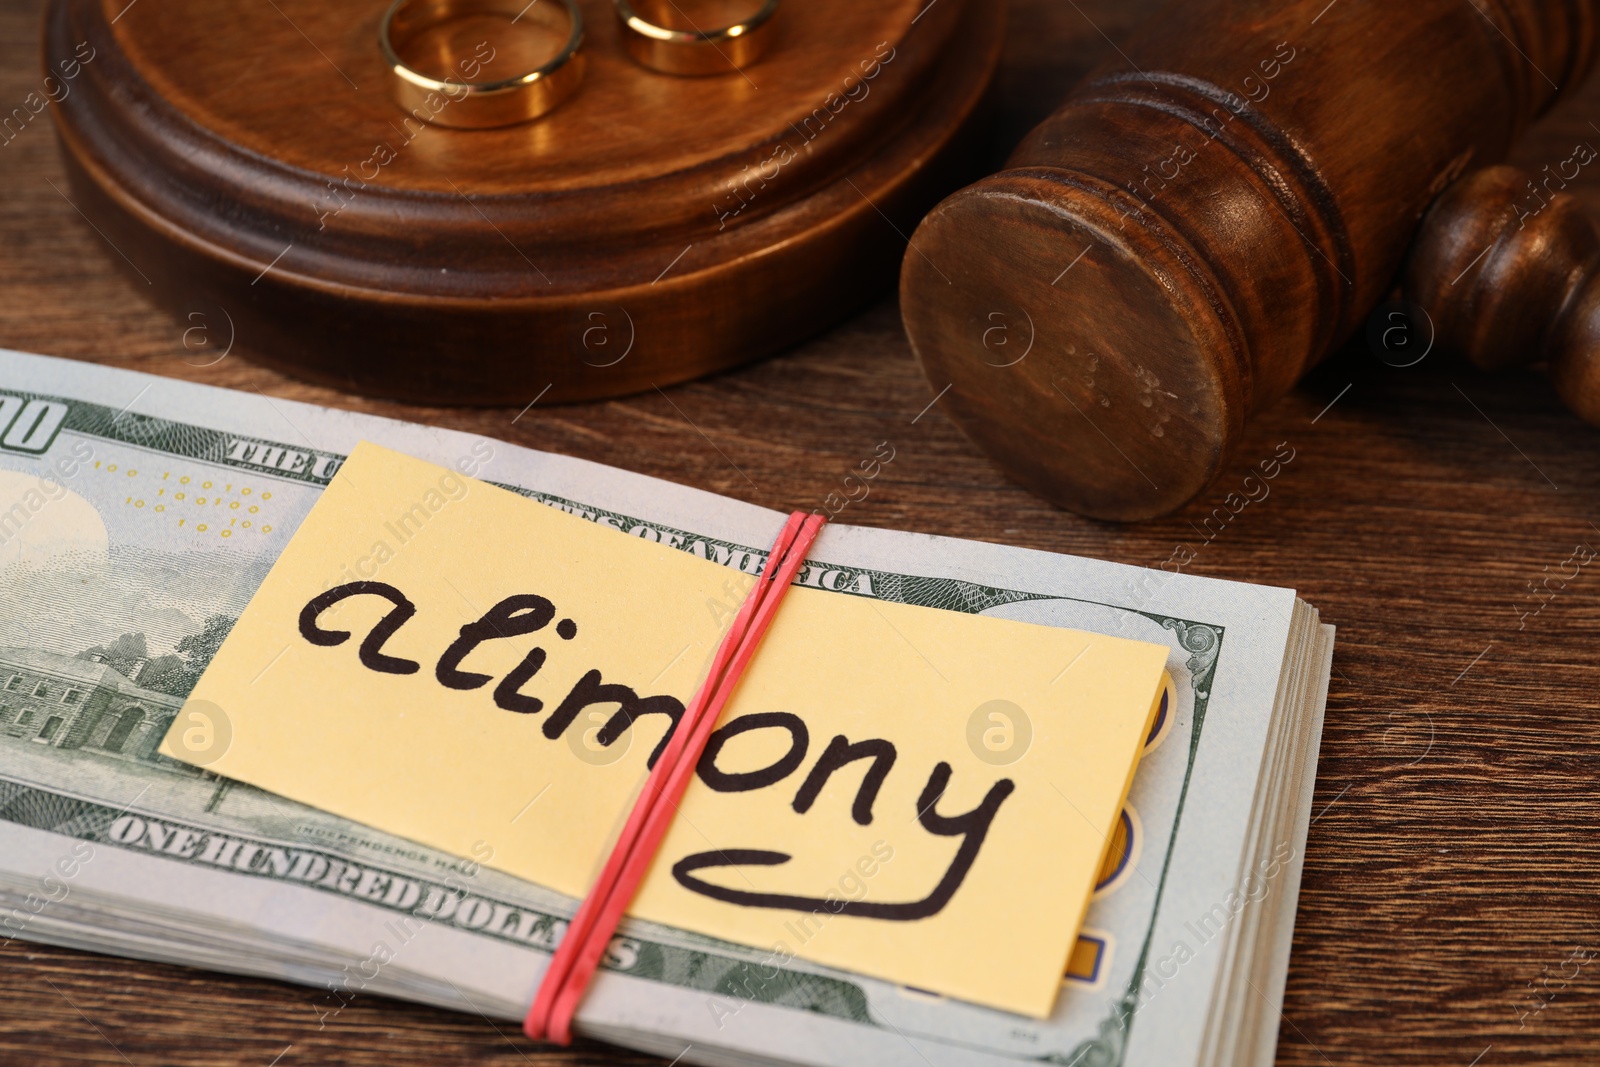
column 1211, row 971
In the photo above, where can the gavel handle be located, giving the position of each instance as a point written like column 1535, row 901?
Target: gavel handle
column 1507, row 265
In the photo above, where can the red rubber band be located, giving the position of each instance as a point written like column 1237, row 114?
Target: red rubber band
column 591, row 929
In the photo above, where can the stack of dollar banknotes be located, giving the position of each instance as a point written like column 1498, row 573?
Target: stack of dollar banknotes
column 139, row 516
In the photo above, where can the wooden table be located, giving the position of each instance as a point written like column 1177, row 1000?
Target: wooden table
column 1451, row 906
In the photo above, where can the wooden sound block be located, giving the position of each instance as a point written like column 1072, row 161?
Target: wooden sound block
column 651, row 229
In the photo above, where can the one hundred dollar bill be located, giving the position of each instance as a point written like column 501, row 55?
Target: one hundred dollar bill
column 139, row 514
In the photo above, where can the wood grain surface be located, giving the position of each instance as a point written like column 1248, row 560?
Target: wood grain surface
column 1451, row 907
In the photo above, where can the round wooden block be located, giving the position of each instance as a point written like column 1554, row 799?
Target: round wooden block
column 651, row 229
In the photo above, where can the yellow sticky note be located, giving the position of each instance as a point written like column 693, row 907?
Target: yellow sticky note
column 917, row 795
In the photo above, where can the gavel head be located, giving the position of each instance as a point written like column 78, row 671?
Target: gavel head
column 1080, row 369
column 1109, row 309
column 1171, row 250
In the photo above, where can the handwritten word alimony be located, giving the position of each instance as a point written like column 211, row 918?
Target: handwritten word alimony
column 526, row 614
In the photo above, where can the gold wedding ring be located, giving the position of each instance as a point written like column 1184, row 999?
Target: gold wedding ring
column 479, row 99
column 697, row 50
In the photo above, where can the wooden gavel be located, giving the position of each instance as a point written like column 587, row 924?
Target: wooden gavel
column 1193, row 230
